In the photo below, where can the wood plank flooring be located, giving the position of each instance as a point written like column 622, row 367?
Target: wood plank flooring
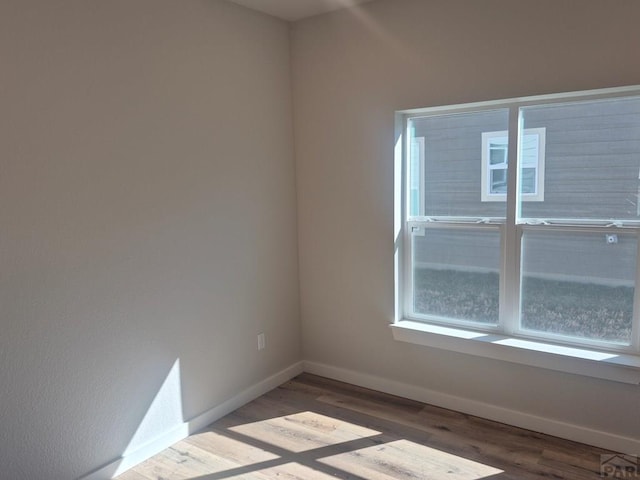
column 313, row 428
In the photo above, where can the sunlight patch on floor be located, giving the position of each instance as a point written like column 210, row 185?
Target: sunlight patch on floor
column 236, row 450
column 406, row 459
column 303, row 431
column 287, row 471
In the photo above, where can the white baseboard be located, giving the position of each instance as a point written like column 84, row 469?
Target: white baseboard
column 130, row 460
column 248, row 395
column 577, row 433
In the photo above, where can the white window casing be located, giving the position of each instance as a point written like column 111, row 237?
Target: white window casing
column 511, row 338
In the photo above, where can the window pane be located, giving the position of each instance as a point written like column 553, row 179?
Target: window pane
column 530, row 150
column 498, row 155
column 453, row 170
column 592, row 159
column 499, row 181
column 528, row 180
column 579, row 284
column 455, row 273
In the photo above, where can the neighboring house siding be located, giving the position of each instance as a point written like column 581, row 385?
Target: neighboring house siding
column 591, row 171
column 587, row 259
column 581, row 149
column 453, row 148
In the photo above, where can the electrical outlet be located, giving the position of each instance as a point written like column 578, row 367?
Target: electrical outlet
column 261, row 341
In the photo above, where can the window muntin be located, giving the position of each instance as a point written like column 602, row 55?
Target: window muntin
column 519, row 266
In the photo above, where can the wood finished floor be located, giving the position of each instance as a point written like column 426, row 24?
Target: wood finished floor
column 312, row 428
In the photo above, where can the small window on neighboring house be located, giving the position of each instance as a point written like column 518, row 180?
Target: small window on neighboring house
column 495, row 147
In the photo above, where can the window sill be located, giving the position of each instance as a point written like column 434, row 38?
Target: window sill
column 617, row 367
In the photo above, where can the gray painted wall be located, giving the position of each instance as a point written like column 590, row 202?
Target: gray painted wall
column 579, row 257
column 147, row 222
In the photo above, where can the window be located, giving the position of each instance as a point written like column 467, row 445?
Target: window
column 494, row 165
column 495, row 248
column 494, row 160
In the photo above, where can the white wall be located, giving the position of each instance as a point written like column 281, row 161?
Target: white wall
column 147, row 215
column 352, row 70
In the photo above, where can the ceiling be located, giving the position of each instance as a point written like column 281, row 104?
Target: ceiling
column 293, row 10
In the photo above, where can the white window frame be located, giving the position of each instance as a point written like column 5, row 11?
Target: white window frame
column 486, row 195
column 506, row 341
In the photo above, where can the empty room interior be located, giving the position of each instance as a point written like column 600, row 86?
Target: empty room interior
column 206, row 203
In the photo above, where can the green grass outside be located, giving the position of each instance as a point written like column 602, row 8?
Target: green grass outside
column 583, row 310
